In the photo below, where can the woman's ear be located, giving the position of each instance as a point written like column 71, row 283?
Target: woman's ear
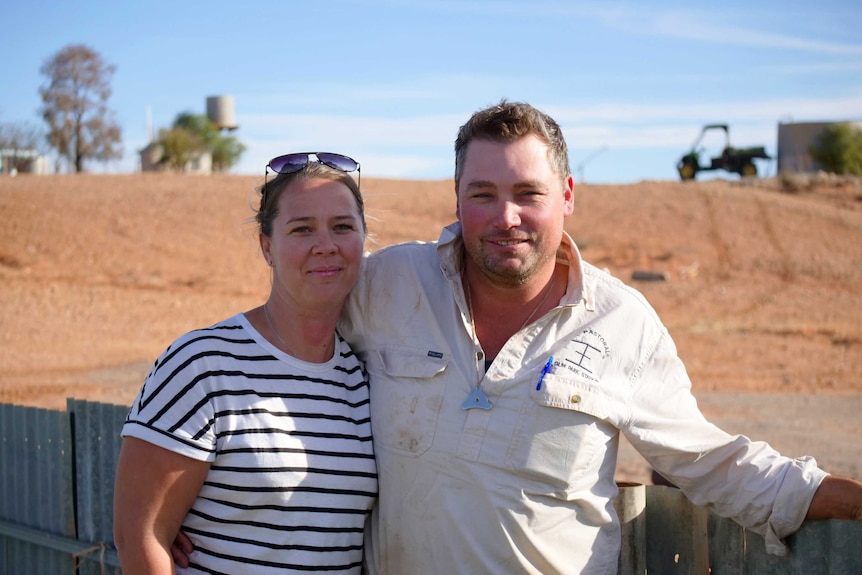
column 265, row 246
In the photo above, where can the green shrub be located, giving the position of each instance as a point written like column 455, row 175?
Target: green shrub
column 192, row 134
column 838, row 149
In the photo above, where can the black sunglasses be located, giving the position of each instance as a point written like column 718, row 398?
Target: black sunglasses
column 290, row 163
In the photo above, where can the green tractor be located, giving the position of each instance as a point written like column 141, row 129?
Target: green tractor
column 735, row 160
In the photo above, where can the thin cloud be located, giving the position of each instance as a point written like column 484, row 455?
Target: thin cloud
column 690, row 27
column 421, row 146
column 320, row 129
column 766, row 110
column 712, row 27
column 679, row 137
column 404, row 95
column 844, row 67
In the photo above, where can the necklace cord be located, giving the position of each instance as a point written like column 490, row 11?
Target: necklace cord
column 272, row 327
column 529, row 317
column 477, row 394
column 541, row 303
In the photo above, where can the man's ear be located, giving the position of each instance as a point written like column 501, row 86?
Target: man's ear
column 569, row 196
column 457, row 203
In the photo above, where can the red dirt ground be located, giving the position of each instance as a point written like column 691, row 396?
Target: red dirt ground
column 98, row 274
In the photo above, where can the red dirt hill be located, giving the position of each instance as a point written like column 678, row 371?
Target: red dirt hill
column 98, row 274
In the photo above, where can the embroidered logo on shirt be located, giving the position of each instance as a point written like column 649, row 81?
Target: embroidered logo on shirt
column 585, row 353
column 436, row 354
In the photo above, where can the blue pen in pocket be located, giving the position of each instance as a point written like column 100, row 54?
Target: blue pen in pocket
column 545, row 371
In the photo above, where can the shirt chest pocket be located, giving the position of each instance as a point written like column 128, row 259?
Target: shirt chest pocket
column 561, row 434
column 405, row 397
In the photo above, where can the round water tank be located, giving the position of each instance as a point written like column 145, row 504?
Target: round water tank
column 220, row 112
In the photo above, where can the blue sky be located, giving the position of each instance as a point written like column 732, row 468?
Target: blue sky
column 389, row 82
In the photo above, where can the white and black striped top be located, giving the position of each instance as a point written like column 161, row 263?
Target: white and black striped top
column 292, row 478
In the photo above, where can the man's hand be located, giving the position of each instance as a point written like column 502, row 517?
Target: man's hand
column 181, row 548
column 837, row 498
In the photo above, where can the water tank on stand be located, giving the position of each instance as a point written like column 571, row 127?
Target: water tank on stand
column 220, row 111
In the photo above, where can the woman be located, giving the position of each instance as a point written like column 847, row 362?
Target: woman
column 253, row 435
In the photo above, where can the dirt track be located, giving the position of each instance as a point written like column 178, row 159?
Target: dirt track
column 99, row 273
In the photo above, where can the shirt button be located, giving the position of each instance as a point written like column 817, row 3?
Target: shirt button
column 479, row 356
column 575, row 398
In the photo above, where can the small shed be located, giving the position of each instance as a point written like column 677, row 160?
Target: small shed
column 152, row 154
column 794, row 139
column 22, row 161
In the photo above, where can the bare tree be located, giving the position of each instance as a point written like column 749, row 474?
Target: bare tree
column 81, row 127
column 20, row 136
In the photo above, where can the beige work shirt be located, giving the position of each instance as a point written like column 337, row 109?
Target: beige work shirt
column 527, row 486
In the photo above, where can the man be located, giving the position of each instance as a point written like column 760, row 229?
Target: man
column 503, row 369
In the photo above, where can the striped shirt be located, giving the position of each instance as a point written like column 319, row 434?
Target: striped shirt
column 292, row 476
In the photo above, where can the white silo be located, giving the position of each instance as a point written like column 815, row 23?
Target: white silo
column 220, row 111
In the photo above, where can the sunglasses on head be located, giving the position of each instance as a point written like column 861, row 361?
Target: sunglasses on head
column 290, row 163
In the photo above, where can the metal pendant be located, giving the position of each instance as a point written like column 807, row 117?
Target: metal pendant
column 476, row 400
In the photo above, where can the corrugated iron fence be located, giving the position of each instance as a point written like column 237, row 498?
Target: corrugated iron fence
column 57, row 481
column 57, row 474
